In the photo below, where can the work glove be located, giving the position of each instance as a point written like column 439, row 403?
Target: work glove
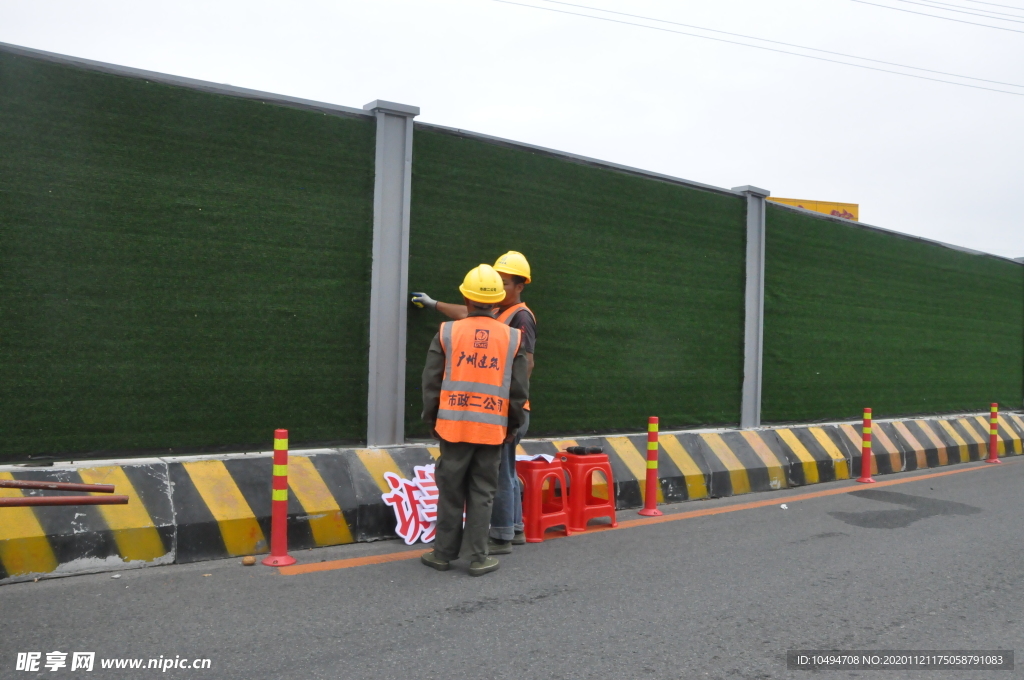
column 422, row 300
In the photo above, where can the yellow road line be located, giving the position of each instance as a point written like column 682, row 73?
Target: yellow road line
column 435, row 451
column 377, row 462
column 327, row 521
column 810, row 465
column 776, row 475
column 737, row 471
column 24, row 548
column 134, row 532
column 636, row 463
column 238, row 526
column 692, row 475
column 839, row 461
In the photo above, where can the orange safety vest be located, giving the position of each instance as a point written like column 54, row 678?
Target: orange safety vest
column 506, row 317
column 478, row 355
column 507, row 314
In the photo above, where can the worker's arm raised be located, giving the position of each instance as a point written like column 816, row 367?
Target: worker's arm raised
column 451, row 311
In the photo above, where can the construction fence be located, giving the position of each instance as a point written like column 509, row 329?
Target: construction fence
column 187, row 266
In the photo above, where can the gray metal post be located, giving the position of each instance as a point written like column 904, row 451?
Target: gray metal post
column 389, row 280
column 753, row 330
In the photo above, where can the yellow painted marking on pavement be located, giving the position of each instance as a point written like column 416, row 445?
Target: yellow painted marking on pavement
column 327, row 522
column 839, row 461
column 737, row 472
column 23, row 545
column 776, row 475
column 922, row 460
column 893, row 451
column 563, row 444
column 1014, row 438
column 238, row 527
column 964, row 453
column 435, row 451
column 934, row 439
column 692, row 475
column 636, row 463
column 134, row 532
column 810, row 465
column 377, row 462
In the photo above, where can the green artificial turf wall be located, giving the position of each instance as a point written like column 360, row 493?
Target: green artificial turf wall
column 638, row 284
column 857, row 318
column 178, row 269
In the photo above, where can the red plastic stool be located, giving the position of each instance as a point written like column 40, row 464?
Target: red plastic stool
column 583, row 504
column 540, row 513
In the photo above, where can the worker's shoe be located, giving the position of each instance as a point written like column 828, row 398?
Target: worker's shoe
column 496, row 546
column 487, row 564
column 434, row 562
column 519, row 538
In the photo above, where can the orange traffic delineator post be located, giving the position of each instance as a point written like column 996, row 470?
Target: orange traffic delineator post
column 279, row 556
column 651, row 500
column 865, row 450
column 993, row 435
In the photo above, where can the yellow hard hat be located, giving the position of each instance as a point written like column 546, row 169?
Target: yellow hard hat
column 513, row 263
column 483, row 284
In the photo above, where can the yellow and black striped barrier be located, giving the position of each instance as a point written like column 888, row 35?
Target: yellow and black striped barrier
column 197, row 508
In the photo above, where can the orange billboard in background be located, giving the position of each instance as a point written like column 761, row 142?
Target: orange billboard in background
column 850, row 211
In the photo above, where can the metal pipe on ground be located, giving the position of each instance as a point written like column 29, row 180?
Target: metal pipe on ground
column 55, row 486
column 25, row 501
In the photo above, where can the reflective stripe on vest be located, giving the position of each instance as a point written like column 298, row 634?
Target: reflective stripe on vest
column 478, row 356
column 506, row 318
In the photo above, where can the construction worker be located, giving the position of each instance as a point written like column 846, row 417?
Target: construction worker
column 507, row 518
column 475, row 385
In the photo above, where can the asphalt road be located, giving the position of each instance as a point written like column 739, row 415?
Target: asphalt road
column 932, row 562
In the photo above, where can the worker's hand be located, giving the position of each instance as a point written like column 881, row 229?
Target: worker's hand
column 422, row 300
column 511, row 436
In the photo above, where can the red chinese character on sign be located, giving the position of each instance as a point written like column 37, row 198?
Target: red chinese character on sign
column 415, row 504
column 426, row 500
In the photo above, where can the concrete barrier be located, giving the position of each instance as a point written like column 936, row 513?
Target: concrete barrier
column 187, row 509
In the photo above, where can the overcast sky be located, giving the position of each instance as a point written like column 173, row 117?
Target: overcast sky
column 926, row 158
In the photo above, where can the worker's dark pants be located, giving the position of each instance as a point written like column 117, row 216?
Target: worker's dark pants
column 466, row 476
